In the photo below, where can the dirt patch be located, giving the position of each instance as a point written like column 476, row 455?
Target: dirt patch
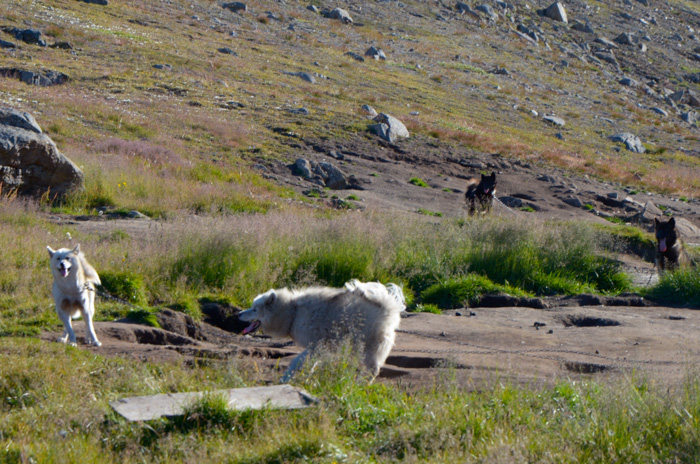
column 522, row 344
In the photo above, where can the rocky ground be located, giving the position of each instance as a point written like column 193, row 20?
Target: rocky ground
column 525, row 341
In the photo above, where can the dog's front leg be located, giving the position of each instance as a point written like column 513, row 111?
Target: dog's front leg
column 68, row 333
column 88, row 312
column 294, row 366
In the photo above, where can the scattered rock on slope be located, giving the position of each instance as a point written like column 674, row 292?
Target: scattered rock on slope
column 339, row 14
column 631, row 141
column 556, row 12
column 389, row 128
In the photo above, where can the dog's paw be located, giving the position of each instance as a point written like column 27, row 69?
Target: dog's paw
column 61, row 340
column 97, row 343
column 73, row 344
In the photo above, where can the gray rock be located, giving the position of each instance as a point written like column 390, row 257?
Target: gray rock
column 686, row 97
column 608, row 57
column 489, row 11
column 369, row 111
column 464, row 8
column 631, row 141
column 649, row 213
column 691, row 117
column 606, row 42
column 12, row 117
column 227, row 51
column 573, row 201
column 659, row 111
column 556, row 12
column 340, row 14
column 308, row 77
column 626, row 39
column 235, row 6
column 313, row 9
column 302, row 167
column 332, row 176
column 43, row 79
column 133, row 214
column 375, row 53
column 323, row 173
column 389, row 128
column 583, row 27
column 30, row 36
column 512, row 202
column 30, row 162
column 355, row 56
column 62, row 45
column 687, row 229
column 96, row 2
column 554, row 120
column 629, row 82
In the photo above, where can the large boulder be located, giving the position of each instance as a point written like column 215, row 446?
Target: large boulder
column 30, row 162
column 323, row 173
column 389, row 128
column 556, row 12
column 631, row 141
column 339, row 14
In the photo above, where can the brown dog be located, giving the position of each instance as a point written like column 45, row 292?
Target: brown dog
column 481, row 192
column 670, row 254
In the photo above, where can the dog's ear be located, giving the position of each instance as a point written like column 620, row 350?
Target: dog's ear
column 76, row 250
column 672, row 222
column 270, row 298
column 657, row 223
column 493, row 174
column 51, row 251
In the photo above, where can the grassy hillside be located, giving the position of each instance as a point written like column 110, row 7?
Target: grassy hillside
column 201, row 119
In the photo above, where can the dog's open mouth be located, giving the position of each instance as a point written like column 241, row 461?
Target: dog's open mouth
column 662, row 245
column 255, row 325
column 64, row 271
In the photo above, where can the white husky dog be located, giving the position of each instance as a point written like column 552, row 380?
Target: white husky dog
column 368, row 313
column 74, row 281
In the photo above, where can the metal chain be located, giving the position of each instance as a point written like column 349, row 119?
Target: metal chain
column 528, row 353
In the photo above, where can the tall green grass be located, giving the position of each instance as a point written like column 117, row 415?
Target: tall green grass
column 681, row 287
column 236, row 257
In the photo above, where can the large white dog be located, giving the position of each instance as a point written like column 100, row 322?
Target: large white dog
column 74, row 281
column 368, row 313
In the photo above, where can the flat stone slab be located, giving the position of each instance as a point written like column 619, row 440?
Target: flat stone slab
column 142, row 408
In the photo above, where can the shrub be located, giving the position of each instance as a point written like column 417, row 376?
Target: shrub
column 126, row 285
column 418, row 182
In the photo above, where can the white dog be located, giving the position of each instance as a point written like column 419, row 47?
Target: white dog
column 74, row 281
column 368, row 313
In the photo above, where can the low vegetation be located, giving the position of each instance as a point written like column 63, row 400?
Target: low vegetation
column 55, row 408
column 236, row 257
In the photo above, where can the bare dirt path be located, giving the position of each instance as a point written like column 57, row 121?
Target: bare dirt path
column 522, row 345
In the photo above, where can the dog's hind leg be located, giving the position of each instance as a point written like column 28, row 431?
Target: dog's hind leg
column 294, row 366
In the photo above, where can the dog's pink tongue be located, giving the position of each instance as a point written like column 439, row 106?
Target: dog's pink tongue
column 251, row 328
column 64, row 271
column 662, row 245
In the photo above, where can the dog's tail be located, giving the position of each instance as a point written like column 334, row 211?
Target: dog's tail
column 379, row 293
